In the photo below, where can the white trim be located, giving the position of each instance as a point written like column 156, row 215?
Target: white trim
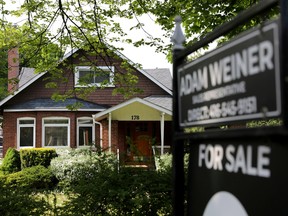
column 105, row 112
column 109, row 131
column 88, row 68
column 26, row 125
column 145, row 73
column 85, row 125
column 31, row 110
column 56, row 125
column 101, row 130
column 22, row 88
column 70, row 54
column 122, row 56
column 162, row 132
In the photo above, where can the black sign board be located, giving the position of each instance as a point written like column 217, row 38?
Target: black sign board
column 238, row 178
column 237, row 82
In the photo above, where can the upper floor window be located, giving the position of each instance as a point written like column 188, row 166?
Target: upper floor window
column 97, row 76
column 26, row 132
column 56, row 132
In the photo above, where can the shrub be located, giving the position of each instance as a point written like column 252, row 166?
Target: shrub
column 36, row 177
column 126, row 192
column 37, row 156
column 11, row 162
column 78, row 163
column 163, row 162
column 109, row 191
column 19, row 201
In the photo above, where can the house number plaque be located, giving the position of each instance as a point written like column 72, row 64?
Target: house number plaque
column 135, row 117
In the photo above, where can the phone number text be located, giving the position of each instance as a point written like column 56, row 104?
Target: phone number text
column 242, row 106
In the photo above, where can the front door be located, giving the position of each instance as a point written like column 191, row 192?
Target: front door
column 140, row 135
column 142, row 138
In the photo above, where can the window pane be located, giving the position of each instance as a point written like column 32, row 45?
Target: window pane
column 26, row 121
column 56, row 121
column 85, row 136
column 56, row 136
column 86, row 76
column 102, row 76
column 26, row 136
column 85, row 121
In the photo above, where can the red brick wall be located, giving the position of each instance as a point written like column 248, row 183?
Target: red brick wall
column 10, row 126
column 114, row 135
column 13, row 68
column 99, row 96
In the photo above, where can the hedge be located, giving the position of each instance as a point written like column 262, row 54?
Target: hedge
column 36, row 156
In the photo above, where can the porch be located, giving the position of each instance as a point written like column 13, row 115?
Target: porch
column 142, row 162
column 137, row 129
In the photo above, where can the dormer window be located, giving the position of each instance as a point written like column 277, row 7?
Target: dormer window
column 94, row 76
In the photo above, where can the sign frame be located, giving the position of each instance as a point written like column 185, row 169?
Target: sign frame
column 200, row 115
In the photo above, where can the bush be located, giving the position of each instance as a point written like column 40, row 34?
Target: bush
column 36, row 177
column 128, row 192
column 19, row 201
column 109, row 191
column 37, row 156
column 72, row 165
column 11, row 162
column 163, row 162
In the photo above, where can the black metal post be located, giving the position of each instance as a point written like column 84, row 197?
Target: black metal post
column 284, row 56
column 178, row 144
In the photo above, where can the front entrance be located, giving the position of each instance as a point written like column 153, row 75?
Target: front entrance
column 139, row 140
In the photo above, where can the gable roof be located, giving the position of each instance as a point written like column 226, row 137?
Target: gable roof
column 165, row 72
column 161, row 101
column 23, row 86
column 28, row 76
column 163, row 75
column 144, row 101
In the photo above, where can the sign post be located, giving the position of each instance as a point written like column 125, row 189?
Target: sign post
column 178, row 147
column 238, row 171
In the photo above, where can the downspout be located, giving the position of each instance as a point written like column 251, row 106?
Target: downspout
column 109, row 132
column 162, row 132
column 100, row 125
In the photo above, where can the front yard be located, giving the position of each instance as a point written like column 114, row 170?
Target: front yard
column 87, row 183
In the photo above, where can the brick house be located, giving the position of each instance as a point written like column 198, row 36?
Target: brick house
column 134, row 127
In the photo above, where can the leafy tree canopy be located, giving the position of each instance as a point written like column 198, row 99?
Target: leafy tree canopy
column 50, row 28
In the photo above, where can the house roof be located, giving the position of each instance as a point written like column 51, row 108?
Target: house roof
column 51, row 105
column 161, row 80
column 160, row 77
column 161, row 101
column 163, row 75
column 24, row 83
column 26, row 74
column 146, row 101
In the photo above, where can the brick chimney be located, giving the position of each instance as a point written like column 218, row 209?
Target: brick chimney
column 13, row 69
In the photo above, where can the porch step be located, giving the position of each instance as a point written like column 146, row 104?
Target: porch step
column 139, row 166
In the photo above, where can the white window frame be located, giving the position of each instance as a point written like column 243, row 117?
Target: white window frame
column 89, row 68
column 85, row 125
column 19, row 126
column 56, row 125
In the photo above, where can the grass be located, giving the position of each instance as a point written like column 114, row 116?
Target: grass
column 55, row 199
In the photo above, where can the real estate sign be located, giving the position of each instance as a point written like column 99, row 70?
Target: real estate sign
column 238, row 81
column 242, row 177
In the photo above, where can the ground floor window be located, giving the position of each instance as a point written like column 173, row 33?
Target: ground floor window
column 85, row 131
column 56, row 131
column 26, row 132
